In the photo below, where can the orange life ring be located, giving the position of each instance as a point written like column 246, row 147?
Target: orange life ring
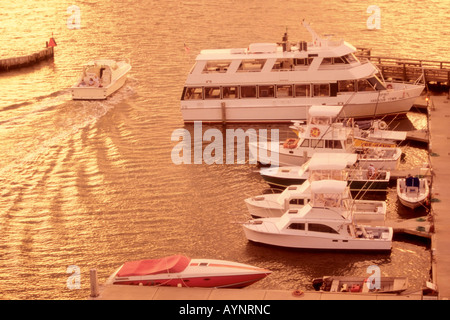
column 315, row 132
column 290, row 143
column 389, row 86
column 297, row 293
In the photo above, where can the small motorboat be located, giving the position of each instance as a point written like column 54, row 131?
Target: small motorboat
column 100, row 79
column 336, row 166
column 182, row 271
column 361, row 284
column 413, row 192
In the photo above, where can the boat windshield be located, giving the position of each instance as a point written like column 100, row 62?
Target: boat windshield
column 327, row 200
column 317, row 175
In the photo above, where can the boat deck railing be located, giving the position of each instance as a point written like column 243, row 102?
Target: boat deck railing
column 407, row 69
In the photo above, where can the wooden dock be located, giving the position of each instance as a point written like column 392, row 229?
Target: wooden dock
column 122, row 292
column 26, row 61
column 409, row 70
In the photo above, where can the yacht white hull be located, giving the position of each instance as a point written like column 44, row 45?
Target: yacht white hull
column 384, row 158
column 256, row 233
column 363, row 105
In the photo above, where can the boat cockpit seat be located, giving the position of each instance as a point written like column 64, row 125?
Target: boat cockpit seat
column 412, row 190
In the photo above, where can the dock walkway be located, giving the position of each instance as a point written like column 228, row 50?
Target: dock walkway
column 439, row 146
column 122, row 292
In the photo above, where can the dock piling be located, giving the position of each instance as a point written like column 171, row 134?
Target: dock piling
column 94, row 283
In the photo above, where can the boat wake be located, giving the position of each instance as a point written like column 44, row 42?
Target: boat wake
column 48, row 124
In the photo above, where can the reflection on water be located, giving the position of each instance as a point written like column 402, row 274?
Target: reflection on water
column 92, row 183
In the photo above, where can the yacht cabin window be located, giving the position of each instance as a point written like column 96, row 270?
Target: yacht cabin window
column 305, row 143
column 316, row 227
column 296, row 226
column 346, row 86
column 364, row 85
column 376, row 83
column 302, row 90
column 230, row 92
column 284, row 91
column 297, row 201
column 193, row 93
column 266, row 91
column 321, row 90
column 339, row 60
column 251, row 65
column 350, row 58
column 212, row 92
column 219, row 66
column 248, row 92
column 333, row 144
column 327, row 61
column 317, row 143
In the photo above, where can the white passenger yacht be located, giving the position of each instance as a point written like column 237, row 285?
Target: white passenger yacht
column 278, row 82
column 323, row 223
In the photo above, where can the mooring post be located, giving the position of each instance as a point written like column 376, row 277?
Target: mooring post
column 94, row 283
column 224, row 113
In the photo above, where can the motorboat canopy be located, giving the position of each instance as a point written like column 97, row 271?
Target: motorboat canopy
column 171, row 264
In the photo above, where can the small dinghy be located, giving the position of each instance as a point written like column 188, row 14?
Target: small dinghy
column 413, row 192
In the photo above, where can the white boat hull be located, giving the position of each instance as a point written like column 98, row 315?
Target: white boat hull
column 320, row 242
column 97, row 93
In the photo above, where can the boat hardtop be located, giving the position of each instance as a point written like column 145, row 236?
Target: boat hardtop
column 171, row 264
column 332, row 161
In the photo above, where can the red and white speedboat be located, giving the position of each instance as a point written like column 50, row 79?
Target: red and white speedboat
column 182, row 271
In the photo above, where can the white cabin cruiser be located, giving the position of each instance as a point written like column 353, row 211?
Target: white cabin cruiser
column 100, row 79
column 270, row 82
column 336, row 166
column 323, row 223
column 322, row 134
column 297, row 196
